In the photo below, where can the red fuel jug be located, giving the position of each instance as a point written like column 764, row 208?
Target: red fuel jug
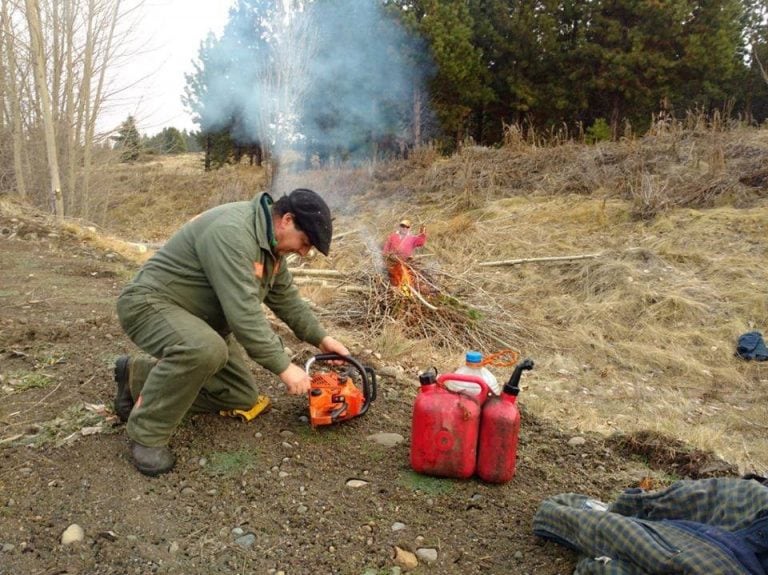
column 499, row 431
column 445, row 426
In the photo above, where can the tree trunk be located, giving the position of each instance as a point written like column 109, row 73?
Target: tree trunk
column 71, row 143
column 417, row 117
column 106, row 56
column 615, row 117
column 56, row 65
column 13, row 99
column 38, row 65
column 85, row 96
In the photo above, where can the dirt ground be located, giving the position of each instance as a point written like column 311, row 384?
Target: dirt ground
column 271, row 496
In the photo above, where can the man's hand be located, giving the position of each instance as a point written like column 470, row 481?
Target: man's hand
column 295, row 379
column 330, row 345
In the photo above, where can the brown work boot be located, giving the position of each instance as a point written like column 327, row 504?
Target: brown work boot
column 152, row 460
column 130, row 375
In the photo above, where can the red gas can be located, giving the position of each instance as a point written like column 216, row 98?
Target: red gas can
column 499, row 431
column 445, row 427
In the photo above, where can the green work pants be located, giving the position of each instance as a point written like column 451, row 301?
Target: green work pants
column 198, row 369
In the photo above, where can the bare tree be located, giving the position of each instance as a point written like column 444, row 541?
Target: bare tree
column 71, row 142
column 37, row 54
column 97, row 61
column 763, row 71
column 54, row 59
column 11, row 96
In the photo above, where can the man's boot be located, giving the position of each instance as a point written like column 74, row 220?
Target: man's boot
column 152, row 460
column 130, row 375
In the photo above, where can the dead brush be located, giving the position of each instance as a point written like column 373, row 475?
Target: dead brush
column 672, row 456
column 707, row 191
column 427, row 310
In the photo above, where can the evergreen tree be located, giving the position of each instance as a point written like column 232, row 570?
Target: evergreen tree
column 128, row 140
column 461, row 80
column 491, row 62
column 525, row 47
column 190, row 141
column 629, row 59
column 172, row 141
column 218, row 147
column 713, row 54
column 494, row 37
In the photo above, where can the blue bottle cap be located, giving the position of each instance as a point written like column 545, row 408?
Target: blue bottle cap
column 474, row 357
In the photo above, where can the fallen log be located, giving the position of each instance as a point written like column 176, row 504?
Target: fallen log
column 534, row 260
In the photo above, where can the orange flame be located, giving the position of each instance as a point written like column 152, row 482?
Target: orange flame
column 400, row 276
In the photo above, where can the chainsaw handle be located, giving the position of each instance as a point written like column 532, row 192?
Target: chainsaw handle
column 334, row 357
column 372, row 378
column 326, row 357
column 485, row 391
column 369, row 387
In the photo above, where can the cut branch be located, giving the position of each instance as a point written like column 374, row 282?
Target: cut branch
column 341, row 235
column 533, row 260
column 421, row 299
column 317, row 273
column 325, row 284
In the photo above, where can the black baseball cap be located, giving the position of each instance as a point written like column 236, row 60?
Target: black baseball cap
column 312, row 216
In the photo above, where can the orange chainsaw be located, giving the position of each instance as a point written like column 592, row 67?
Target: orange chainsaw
column 334, row 394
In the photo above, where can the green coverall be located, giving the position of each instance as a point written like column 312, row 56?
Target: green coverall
column 190, row 303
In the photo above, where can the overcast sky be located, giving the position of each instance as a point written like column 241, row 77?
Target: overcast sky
column 166, row 40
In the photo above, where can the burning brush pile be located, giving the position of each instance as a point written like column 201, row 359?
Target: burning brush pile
column 421, row 300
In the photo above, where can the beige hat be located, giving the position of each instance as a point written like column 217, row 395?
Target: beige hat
column 406, row 223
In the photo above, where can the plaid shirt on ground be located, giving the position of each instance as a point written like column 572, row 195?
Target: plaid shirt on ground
column 638, row 534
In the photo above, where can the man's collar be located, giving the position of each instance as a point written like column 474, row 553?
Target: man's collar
column 265, row 233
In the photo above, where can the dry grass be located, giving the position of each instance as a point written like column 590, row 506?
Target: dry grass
column 640, row 339
column 146, row 201
column 643, row 337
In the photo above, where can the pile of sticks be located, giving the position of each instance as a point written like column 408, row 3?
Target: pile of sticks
column 364, row 298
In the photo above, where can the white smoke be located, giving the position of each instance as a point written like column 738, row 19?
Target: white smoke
column 323, row 78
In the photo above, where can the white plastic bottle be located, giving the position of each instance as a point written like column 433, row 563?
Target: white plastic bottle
column 473, row 366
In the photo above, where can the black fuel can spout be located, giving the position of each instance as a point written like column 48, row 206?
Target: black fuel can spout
column 512, row 387
column 428, row 377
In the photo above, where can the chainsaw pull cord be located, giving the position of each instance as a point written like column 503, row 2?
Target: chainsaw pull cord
column 503, row 358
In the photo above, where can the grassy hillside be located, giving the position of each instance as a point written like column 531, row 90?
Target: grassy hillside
column 641, row 336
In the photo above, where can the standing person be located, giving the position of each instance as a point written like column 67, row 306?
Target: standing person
column 402, row 242
column 398, row 249
column 200, row 294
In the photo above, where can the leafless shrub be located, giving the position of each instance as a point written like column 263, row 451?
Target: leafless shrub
column 424, row 156
column 649, row 196
column 513, row 139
